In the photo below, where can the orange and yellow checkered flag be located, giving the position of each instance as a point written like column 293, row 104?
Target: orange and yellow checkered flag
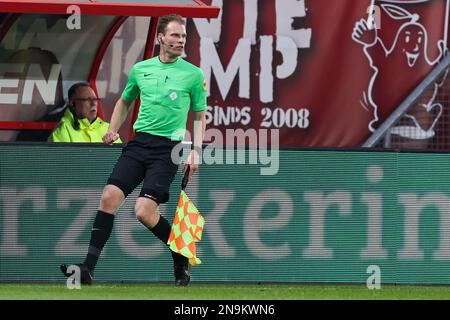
column 187, row 229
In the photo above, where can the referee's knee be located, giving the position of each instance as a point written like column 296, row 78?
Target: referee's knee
column 112, row 198
column 145, row 210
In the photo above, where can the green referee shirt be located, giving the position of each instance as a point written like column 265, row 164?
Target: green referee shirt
column 167, row 92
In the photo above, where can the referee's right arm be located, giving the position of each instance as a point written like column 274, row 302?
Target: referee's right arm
column 118, row 117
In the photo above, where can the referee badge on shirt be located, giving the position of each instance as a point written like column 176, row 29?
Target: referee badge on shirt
column 173, row 95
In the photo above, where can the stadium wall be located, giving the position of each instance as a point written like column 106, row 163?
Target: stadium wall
column 325, row 216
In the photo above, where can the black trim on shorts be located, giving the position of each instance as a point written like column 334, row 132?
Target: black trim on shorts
column 122, row 186
column 154, row 195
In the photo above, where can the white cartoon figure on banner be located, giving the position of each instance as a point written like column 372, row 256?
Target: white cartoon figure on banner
column 409, row 51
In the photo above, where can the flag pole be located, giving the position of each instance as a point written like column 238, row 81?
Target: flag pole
column 185, row 180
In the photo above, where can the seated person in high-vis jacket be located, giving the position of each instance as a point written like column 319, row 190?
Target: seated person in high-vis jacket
column 80, row 122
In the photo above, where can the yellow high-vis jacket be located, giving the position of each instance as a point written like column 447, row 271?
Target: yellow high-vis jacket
column 88, row 132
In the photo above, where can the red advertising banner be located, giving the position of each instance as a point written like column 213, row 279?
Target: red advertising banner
column 325, row 73
column 322, row 73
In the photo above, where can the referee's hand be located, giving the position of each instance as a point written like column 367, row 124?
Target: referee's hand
column 110, row 137
column 192, row 161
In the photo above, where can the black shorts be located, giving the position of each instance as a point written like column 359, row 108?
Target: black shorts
column 146, row 157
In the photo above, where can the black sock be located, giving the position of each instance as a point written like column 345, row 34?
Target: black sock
column 101, row 230
column 162, row 231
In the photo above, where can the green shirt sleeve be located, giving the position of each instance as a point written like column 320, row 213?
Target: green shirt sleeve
column 198, row 93
column 131, row 91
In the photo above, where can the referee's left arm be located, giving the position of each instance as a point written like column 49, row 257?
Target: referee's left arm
column 193, row 159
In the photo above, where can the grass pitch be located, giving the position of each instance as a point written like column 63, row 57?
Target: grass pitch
column 197, row 291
